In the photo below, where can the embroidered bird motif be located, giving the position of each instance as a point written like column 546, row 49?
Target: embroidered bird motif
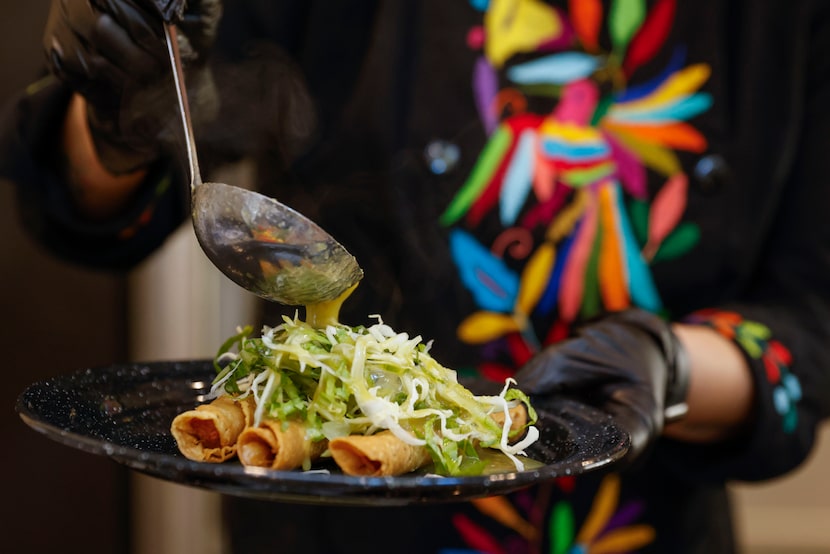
column 572, row 182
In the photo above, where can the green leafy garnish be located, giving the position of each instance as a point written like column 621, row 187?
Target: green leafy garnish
column 345, row 380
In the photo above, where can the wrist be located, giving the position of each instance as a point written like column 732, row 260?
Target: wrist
column 116, row 154
column 98, row 191
column 721, row 391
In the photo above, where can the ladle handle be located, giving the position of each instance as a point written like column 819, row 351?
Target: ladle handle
column 184, row 107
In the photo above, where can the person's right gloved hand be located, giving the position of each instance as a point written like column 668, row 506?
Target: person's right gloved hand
column 113, row 53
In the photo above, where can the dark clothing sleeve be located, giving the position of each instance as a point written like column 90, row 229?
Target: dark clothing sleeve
column 782, row 323
column 266, row 59
column 30, row 129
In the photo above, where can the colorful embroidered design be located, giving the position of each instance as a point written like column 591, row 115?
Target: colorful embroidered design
column 756, row 340
column 564, row 186
column 556, row 221
column 146, row 215
column 606, row 529
column 609, row 526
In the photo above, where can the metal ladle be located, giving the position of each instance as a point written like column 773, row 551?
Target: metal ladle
column 262, row 245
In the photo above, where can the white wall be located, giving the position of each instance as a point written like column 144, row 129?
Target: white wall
column 181, row 308
column 790, row 515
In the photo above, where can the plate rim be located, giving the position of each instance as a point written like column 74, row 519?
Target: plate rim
column 287, row 485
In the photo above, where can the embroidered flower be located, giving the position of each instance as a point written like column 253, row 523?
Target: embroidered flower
column 608, row 527
column 756, row 340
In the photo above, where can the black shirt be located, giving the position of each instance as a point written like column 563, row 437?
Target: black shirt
column 388, row 123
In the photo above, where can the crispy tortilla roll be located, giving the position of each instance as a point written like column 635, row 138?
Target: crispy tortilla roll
column 209, row 432
column 384, row 454
column 518, row 418
column 273, row 446
column 377, row 455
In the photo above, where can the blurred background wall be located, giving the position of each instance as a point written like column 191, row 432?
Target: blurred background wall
column 58, row 318
column 54, row 319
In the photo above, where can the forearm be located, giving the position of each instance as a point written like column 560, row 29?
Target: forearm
column 721, row 390
column 98, row 193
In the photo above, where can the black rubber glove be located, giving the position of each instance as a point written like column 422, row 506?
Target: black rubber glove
column 629, row 364
column 114, row 54
column 170, row 11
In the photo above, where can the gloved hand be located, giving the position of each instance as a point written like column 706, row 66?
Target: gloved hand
column 629, row 364
column 114, row 54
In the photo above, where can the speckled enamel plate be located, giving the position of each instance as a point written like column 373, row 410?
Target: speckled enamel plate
column 124, row 412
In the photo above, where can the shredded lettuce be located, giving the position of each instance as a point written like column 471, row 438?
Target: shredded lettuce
column 345, row 380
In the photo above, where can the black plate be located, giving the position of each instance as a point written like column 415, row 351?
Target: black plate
column 124, row 412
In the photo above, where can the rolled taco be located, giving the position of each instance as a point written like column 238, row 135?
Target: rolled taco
column 377, row 455
column 209, row 432
column 518, row 419
column 276, row 445
column 384, row 454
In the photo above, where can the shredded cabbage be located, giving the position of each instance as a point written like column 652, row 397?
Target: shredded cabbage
column 345, row 380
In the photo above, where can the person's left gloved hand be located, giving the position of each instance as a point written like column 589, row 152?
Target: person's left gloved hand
column 629, row 364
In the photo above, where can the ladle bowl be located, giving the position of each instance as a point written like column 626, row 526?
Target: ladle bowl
column 269, row 248
column 262, row 245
